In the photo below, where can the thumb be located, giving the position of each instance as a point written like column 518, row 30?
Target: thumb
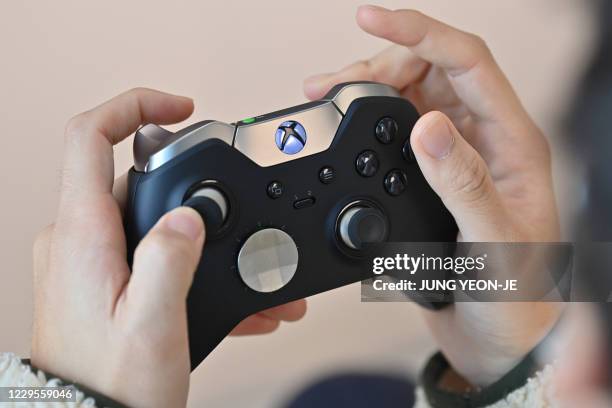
column 164, row 263
column 459, row 175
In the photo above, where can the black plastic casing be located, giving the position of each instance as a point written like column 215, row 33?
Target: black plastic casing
column 219, row 299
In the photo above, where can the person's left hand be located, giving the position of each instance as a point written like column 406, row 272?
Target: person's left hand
column 121, row 334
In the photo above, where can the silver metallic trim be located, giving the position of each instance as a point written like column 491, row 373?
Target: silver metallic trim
column 189, row 137
column 344, row 225
column 154, row 146
column 147, row 141
column 268, row 260
column 347, row 94
column 257, row 141
column 216, row 196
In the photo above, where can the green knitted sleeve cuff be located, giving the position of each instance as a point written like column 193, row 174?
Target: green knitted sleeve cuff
column 438, row 398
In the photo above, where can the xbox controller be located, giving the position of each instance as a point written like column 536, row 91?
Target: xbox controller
column 290, row 200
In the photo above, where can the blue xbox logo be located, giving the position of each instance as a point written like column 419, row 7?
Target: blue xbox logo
column 290, row 137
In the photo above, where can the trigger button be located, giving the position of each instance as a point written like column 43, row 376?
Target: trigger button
column 148, row 140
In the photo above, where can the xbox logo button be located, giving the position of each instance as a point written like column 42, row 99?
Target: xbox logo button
column 290, row 137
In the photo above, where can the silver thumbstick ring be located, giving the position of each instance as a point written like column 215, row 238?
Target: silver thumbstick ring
column 339, row 230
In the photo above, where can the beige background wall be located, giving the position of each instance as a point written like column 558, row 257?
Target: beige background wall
column 237, row 59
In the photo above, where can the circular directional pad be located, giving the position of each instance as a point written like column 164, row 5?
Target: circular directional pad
column 386, row 129
column 268, row 260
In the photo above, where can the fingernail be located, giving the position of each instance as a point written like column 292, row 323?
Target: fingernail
column 437, row 139
column 185, row 221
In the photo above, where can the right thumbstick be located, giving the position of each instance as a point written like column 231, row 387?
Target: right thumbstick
column 362, row 224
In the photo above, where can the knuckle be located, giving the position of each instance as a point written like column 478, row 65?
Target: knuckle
column 471, row 179
column 479, row 46
column 137, row 92
column 76, row 126
column 139, row 89
column 363, row 69
column 415, row 13
column 363, row 64
column 478, row 42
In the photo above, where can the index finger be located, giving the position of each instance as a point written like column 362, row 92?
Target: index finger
column 88, row 166
column 471, row 68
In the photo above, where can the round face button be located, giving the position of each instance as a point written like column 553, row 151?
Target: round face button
column 407, row 153
column 396, row 182
column 367, row 163
column 326, row 175
column 268, row 260
column 275, row 189
column 386, row 129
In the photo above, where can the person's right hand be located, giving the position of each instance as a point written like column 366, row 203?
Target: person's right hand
column 483, row 155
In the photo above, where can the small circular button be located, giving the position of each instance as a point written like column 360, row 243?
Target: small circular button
column 386, row 129
column 407, row 153
column 268, row 260
column 396, row 182
column 275, row 189
column 326, row 175
column 367, row 163
column 362, row 224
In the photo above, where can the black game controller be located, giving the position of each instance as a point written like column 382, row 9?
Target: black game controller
column 290, row 199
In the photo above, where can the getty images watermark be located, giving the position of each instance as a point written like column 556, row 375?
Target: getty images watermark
column 484, row 272
column 458, row 265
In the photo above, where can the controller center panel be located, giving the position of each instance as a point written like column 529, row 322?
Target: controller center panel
column 293, row 223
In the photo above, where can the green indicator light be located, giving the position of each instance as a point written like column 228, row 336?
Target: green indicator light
column 248, row 120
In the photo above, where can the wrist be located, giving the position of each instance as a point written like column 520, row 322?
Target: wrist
column 494, row 338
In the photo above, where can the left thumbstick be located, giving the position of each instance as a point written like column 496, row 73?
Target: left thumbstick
column 212, row 205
